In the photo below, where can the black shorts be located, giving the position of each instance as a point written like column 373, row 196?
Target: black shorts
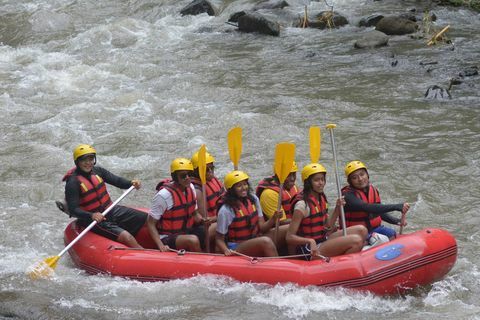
column 198, row 231
column 119, row 219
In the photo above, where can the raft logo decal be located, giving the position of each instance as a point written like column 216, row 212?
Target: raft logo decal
column 389, row 252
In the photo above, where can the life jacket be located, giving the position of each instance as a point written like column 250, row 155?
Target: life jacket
column 245, row 224
column 353, row 218
column 214, row 190
column 313, row 226
column 94, row 196
column 287, row 195
column 162, row 182
column 179, row 218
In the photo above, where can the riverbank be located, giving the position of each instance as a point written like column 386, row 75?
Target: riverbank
column 471, row 4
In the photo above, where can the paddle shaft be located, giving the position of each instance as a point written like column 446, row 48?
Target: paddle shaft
column 402, row 223
column 339, row 192
column 104, row 213
column 205, row 215
column 279, row 206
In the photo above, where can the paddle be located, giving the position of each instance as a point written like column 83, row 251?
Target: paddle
column 315, row 142
column 234, row 140
column 330, row 128
column 402, row 222
column 284, row 157
column 45, row 268
column 202, row 172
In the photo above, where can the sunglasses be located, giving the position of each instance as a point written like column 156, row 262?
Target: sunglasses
column 184, row 175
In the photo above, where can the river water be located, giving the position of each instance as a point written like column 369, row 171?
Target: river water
column 145, row 85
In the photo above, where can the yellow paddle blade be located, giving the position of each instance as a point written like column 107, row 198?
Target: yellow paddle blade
column 234, row 140
column 202, row 166
column 284, row 157
column 43, row 269
column 315, row 143
column 331, row 126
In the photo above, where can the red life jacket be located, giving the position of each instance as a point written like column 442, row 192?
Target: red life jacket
column 179, row 218
column 214, row 190
column 287, row 195
column 313, row 226
column 94, row 196
column 245, row 224
column 353, row 218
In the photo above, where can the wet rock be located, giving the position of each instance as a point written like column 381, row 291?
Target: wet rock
column 372, row 39
column 212, row 8
column 234, row 17
column 409, row 16
column 395, row 25
column 469, row 72
column 456, row 81
column 255, row 22
column 370, row 21
column 271, row 4
column 437, row 93
column 326, row 19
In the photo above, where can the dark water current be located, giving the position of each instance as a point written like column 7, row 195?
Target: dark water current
column 145, row 85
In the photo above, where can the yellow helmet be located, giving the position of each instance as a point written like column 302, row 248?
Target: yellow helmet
column 181, row 164
column 83, row 149
column 208, row 159
column 354, row 166
column 233, row 177
column 294, row 167
column 312, row 168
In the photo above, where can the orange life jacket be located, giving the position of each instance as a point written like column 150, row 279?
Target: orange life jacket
column 179, row 218
column 94, row 196
column 313, row 226
column 287, row 195
column 245, row 224
column 214, row 190
column 353, row 218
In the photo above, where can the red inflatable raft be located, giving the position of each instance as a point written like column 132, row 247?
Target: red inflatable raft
column 411, row 260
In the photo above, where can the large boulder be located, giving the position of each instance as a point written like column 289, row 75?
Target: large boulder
column 396, row 25
column 255, row 22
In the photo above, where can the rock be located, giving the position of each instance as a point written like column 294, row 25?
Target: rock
column 255, row 22
column 394, row 25
column 437, row 93
column 211, row 7
column 370, row 21
column 409, row 16
column 320, row 20
column 469, row 72
column 372, row 39
column 234, row 17
column 271, row 4
column 456, row 81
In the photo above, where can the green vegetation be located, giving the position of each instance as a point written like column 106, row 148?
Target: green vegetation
column 472, row 4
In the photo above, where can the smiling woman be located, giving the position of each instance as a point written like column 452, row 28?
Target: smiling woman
column 363, row 204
